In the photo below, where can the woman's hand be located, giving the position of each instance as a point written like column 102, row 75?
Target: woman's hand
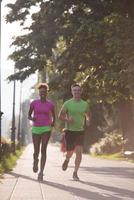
column 31, row 118
column 52, row 124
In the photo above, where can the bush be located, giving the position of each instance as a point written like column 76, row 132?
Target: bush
column 8, row 159
column 5, row 147
column 111, row 143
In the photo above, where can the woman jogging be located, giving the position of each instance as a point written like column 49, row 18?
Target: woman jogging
column 42, row 114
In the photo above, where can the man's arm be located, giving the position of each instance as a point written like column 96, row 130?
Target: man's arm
column 64, row 117
column 88, row 118
column 62, row 114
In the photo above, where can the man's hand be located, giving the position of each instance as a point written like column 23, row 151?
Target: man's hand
column 70, row 120
column 87, row 122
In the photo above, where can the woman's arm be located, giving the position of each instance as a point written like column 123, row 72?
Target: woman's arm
column 30, row 114
column 53, row 116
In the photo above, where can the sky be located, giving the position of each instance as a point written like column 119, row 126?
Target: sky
column 7, row 68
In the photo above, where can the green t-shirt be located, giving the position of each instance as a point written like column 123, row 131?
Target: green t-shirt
column 76, row 110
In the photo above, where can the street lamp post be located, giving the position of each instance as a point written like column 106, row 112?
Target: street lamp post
column 19, row 121
column 13, row 128
column 0, row 83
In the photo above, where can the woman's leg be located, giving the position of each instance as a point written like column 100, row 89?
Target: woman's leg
column 44, row 138
column 36, row 144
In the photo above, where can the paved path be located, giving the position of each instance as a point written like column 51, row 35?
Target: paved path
column 100, row 179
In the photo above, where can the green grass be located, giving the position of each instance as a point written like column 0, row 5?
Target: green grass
column 115, row 156
column 8, row 162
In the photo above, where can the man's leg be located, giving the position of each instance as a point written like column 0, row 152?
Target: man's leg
column 78, row 151
column 68, row 156
column 36, row 144
column 69, row 137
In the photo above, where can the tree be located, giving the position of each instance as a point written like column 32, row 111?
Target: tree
column 98, row 38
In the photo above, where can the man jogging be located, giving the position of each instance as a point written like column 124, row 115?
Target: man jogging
column 75, row 113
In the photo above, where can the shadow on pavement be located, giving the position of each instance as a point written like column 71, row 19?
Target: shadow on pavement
column 117, row 191
column 21, row 176
column 83, row 193
column 121, row 172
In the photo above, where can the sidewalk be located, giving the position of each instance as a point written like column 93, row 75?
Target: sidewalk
column 100, row 179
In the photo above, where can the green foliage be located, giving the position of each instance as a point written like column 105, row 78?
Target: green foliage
column 86, row 41
column 107, row 72
column 91, row 42
column 9, row 161
column 111, row 143
column 1, row 169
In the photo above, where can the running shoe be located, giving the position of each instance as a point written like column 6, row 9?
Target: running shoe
column 40, row 176
column 35, row 165
column 65, row 165
column 75, row 176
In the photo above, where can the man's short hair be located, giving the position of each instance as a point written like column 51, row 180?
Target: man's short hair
column 75, row 85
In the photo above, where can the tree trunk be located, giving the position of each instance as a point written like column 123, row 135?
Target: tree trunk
column 127, row 123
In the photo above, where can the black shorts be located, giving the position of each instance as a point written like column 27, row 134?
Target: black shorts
column 73, row 138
